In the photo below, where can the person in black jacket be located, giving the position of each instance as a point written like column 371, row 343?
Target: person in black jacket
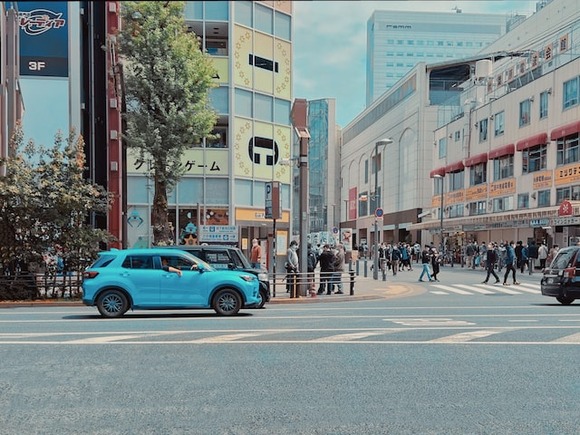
column 532, row 256
column 326, row 261
column 490, row 264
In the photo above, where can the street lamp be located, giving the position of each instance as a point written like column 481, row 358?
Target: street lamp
column 383, row 143
column 442, row 178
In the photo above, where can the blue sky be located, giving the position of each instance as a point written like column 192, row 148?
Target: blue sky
column 331, row 36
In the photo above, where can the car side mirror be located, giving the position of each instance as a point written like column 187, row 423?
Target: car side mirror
column 231, row 266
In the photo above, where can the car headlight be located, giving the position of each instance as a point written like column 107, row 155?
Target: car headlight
column 263, row 276
column 248, row 278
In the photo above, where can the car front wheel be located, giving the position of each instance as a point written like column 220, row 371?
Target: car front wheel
column 112, row 303
column 565, row 300
column 262, row 297
column 227, row 302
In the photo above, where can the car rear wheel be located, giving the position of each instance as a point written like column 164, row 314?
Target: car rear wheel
column 262, row 297
column 112, row 303
column 565, row 300
column 227, row 302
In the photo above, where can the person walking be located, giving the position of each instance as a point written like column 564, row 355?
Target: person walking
column 395, row 258
column 425, row 261
column 469, row 253
column 326, row 261
column 490, row 266
column 435, row 262
column 542, row 255
column 256, row 254
column 311, row 262
column 510, row 263
column 524, row 261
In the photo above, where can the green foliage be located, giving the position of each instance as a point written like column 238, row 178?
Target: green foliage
column 45, row 203
column 167, row 80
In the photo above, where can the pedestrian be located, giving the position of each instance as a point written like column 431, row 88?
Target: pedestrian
column 338, row 269
column 491, row 260
column 256, row 254
column 435, row 262
column 326, row 261
column 292, row 268
column 406, row 257
column 469, row 253
column 518, row 251
column 311, row 262
column 542, row 255
column 482, row 254
column 395, row 258
column 510, row 263
column 524, row 261
column 532, row 256
column 552, row 254
column 425, row 261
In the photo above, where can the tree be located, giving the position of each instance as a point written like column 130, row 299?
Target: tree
column 167, row 79
column 45, row 203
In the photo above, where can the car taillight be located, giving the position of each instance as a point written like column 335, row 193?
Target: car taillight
column 90, row 274
column 569, row 272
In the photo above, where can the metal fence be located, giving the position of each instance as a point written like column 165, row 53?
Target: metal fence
column 35, row 286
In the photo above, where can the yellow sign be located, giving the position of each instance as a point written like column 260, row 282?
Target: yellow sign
column 567, row 174
column 197, row 161
column 542, row 180
column 503, row 187
column 476, row 192
column 455, row 197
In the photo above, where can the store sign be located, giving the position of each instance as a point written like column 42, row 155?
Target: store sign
column 542, row 180
column 476, row 192
column 503, row 187
column 568, row 174
column 539, row 222
column 561, row 221
column 218, row 233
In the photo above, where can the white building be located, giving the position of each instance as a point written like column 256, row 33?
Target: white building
column 398, row 40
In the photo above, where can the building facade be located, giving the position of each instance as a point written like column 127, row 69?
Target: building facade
column 508, row 159
column 397, row 40
column 250, row 43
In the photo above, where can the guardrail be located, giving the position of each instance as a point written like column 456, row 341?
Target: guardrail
column 312, row 283
column 33, row 286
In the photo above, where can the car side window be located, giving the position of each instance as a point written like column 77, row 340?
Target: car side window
column 237, row 260
column 219, row 260
column 138, row 262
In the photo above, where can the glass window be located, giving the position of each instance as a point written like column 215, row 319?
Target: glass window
column 534, row 159
column 503, row 204
column 567, row 150
column 282, row 25
column 483, row 130
column 457, row 135
column 478, row 174
column 571, row 92
column 264, row 18
column 281, row 111
column 138, row 262
column 475, row 208
column 244, row 105
column 456, row 180
column 503, row 167
column 499, row 123
column 243, row 10
column 525, row 112
column 544, row 105
column 544, row 198
column 523, row 200
column 217, row 10
column 562, row 194
column 363, row 204
column 264, row 107
column 442, row 148
column 366, row 171
column 194, row 10
column 218, row 98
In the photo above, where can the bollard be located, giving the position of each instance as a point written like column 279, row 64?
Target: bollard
column 365, row 268
column 351, row 273
column 357, row 267
column 384, row 273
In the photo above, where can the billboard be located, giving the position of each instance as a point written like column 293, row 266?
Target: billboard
column 43, row 38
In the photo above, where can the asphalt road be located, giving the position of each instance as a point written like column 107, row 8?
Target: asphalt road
column 440, row 362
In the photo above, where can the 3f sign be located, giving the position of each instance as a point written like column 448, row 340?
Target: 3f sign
column 36, row 65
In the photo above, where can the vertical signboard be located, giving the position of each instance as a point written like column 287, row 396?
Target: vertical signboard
column 43, row 38
column 273, row 209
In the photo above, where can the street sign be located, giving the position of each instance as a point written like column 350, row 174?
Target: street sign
column 218, row 233
column 379, row 212
column 335, row 230
column 273, row 201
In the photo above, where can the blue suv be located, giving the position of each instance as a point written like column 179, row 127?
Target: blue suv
column 162, row 278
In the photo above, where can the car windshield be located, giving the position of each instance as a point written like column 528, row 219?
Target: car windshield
column 563, row 259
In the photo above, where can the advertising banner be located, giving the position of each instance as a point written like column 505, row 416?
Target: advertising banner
column 43, row 38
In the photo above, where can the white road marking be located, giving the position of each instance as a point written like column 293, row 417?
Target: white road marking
column 530, row 288
column 436, row 292
column 225, row 338
column 464, row 337
column 451, row 289
column 504, row 289
column 109, row 338
column 348, row 337
column 480, row 288
column 429, row 322
column 574, row 338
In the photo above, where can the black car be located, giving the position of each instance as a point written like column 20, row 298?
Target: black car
column 561, row 279
column 230, row 257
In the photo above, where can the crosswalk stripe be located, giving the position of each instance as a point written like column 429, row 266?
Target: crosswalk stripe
column 507, row 290
column 451, row 289
column 574, row 338
column 528, row 290
column 435, row 292
column 531, row 285
column 465, row 336
column 349, row 337
column 476, row 288
column 225, row 338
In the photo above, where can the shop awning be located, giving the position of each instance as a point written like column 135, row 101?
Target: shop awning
column 565, row 130
column 538, row 139
column 505, row 150
column 438, row 171
column 455, row 167
column 475, row 160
